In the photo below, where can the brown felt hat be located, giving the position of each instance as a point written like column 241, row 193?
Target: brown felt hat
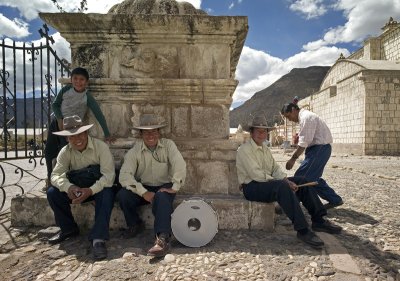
column 149, row 122
column 73, row 125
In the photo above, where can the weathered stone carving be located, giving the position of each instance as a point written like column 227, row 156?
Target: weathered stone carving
column 147, row 63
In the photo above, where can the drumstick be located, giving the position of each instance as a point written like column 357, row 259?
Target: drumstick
column 313, row 183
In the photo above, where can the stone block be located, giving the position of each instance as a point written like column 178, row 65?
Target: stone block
column 234, row 212
column 194, row 154
column 212, row 177
column 180, row 117
column 233, row 179
column 210, row 121
column 226, row 155
column 191, row 184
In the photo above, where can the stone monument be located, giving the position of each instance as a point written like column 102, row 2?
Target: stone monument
column 168, row 58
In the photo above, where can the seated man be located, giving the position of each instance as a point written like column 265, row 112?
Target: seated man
column 152, row 172
column 263, row 180
column 84, row 171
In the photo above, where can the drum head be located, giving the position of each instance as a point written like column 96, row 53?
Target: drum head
column 194, row 223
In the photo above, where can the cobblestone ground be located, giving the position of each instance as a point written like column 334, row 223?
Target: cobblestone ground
column 368, row 248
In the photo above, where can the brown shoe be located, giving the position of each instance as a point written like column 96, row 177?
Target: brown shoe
column 161, row 246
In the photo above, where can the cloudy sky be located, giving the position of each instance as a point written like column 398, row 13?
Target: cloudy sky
column 283, row 34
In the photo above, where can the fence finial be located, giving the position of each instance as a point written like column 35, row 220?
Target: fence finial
column 45, row 34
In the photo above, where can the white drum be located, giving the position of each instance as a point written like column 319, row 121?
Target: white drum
column 194, row 222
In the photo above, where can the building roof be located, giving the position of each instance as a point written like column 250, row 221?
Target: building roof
column 344, row 68
column 377, row 64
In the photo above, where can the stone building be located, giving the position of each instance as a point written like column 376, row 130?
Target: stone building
column 360, row 97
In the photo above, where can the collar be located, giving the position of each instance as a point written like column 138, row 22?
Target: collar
column 254, row 146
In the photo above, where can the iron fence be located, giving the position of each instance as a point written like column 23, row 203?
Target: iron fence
column 29, row 77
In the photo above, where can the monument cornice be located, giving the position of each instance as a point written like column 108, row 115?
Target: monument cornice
column 67, row 23
column 138, row 30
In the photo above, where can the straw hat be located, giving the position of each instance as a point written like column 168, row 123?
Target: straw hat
column 149, row 122
column 73, row 126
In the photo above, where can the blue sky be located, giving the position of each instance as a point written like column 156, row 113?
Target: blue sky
column 283, row 34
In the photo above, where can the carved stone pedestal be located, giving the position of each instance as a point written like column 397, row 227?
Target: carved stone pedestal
column 177, row 65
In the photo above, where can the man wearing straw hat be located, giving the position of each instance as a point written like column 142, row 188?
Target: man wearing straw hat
column 262, row 180
column 152, row 172
column 84, row 171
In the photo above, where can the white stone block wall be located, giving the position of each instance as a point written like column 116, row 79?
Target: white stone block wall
column 343, row 111
column 390, row 45
column 382, row 128
column 338, row 72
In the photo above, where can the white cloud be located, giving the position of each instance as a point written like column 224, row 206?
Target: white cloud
column 309, row 8
column 365, row 18
column 231, row 5
column 15, row 28
column 25, row 58
column 257, row 70
column 195, row 3
column 30, row 9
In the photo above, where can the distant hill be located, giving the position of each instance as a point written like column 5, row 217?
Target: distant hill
column 25, row 113
column 300, row 82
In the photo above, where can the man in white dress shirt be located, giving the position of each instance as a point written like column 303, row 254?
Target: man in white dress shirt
column 315, row 139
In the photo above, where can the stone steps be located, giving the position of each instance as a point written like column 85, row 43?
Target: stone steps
column 234, row 212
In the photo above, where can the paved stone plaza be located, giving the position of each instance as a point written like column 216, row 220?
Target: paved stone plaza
column 368, row 248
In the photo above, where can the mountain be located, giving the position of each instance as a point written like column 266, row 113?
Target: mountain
column 300, row 82
column 25, row 113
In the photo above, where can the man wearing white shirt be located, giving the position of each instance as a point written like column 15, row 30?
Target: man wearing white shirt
column 315, row 139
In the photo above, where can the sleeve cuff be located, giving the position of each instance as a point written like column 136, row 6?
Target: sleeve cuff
column 138, row 189
column 176, row 187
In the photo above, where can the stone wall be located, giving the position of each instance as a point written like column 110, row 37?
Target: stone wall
column 382, row 113
column 342, row 108
column 361, row 109
column 383, row 47
column 390, row 45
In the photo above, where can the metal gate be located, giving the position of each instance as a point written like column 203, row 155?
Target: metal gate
column 28, row 84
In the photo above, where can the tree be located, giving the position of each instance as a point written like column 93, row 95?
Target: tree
column 81, row 9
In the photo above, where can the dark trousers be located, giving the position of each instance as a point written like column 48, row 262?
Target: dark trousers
column 279, row 191
column 53, row 146
column 162, row 207
column 312, row 167
column 104, row 202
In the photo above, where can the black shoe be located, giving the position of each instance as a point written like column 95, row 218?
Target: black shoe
column 278, row 209
column 327, row 227
column 331, row 205
column 311, row 239
column 134, row 230
column 99, row 251
column 63, row 235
